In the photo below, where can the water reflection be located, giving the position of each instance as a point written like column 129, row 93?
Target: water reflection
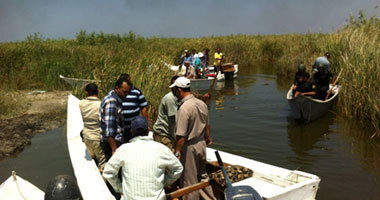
column 304, row 136
column 223, row 89
column 41, row 161
column 367, row 149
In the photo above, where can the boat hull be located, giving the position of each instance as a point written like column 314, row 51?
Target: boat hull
column 272, row 183
column 90, row 181
column 309, row 109
column 200, row 84
column 20, row 189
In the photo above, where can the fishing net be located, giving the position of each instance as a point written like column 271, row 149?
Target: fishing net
column 235, row 173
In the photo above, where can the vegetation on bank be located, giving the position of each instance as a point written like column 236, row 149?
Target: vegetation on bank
column 37, row 62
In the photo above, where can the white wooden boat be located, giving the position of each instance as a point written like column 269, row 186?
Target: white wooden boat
column 90, row 181
column 196, row 84
column 76, row 81
column 307, row 108
column 204, row 84
column 16, row 188
column 271, row 182
column 220, row 76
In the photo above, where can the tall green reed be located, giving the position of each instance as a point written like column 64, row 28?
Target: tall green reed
column 37, row 62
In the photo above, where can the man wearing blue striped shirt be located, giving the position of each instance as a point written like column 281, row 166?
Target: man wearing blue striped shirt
column 147, row 166
column 132, row 105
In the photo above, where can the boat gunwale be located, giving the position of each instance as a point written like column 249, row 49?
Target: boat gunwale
column 335, row 89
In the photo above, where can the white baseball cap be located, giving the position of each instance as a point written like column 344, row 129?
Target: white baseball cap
column 181, row 82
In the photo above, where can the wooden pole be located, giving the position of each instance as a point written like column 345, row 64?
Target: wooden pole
column 333, row 84
column 187, row 190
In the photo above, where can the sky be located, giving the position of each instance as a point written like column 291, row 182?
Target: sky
column 175, row 18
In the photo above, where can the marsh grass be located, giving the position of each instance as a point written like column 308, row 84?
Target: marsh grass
column 36, row 62
column 12, row 103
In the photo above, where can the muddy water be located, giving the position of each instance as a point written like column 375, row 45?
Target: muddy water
column 250, row 117
column 41, row 161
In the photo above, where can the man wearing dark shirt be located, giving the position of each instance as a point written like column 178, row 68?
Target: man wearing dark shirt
column 322, row 82
column 305, row 86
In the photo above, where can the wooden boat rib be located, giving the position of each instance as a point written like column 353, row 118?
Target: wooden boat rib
column 272, row 183
column 308, row 108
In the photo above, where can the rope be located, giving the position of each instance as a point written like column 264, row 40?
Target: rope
column 18, row 187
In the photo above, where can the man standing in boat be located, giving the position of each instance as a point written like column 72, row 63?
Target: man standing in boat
column 322, row 81
column 185, row 57
column 192, row 135
column 146, row 166
column 133, row 104
column 218, row 57
column 322, row 61
column 89, row 109
column 165, row 124
column 111, row 118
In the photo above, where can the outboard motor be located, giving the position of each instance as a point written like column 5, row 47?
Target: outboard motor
column 63, row 187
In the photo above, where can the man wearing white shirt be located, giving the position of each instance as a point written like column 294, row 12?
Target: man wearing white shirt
column 147, row 166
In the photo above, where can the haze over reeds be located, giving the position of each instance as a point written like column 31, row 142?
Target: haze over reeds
column 36, row 62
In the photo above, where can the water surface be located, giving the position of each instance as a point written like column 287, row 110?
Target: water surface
column 41, row 161
column 251, row 117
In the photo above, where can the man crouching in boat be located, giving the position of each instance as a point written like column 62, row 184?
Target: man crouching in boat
column 111, row 118
column 305, row 86
column 89, row 109
column 147, row 166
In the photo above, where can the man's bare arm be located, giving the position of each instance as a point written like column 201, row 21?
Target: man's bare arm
column 207, row 136
column 179, row 144
column 144, row 113
column 112, row 143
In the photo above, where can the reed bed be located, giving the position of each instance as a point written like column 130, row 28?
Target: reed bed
column 37, row 61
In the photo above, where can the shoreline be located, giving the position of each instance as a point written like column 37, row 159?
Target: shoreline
column 46, row 111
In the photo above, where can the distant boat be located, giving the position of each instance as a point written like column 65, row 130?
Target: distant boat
column 220, row 76
column 307, row 108
column 16, row 188
column 204, row 84
column 271, row 182
column 196, row 84
column 76, row 81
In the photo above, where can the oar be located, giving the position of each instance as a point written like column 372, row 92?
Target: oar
column 333, row 84
column 186, row 190
column 237, row 192
column 209, row 92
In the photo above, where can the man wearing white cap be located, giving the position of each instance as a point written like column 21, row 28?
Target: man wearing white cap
column 192, row 135
column 187, row 70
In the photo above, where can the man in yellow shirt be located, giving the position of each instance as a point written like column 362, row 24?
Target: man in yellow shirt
column 218, row 57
